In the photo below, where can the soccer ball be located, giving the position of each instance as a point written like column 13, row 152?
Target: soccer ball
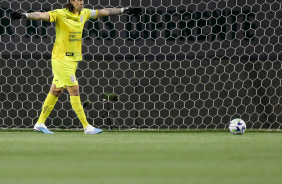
column 237, row 126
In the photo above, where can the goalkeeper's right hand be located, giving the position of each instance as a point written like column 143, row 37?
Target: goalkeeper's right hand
column 132, row 11
column 17, row 15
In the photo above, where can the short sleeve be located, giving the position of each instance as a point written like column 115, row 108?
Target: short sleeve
column 86, row 13
column 53, row 15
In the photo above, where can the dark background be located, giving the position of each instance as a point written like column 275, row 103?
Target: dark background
column 182, row 64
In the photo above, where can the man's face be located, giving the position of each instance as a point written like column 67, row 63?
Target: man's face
column 77, row 4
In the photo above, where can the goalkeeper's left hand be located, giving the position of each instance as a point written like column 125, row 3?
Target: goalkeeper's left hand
column 132, row 11
column 17, row 15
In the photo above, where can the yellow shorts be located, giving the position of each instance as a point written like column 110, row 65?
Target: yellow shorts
column 64, row 73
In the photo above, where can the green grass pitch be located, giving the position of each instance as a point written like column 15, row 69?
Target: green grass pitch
column 121, row 157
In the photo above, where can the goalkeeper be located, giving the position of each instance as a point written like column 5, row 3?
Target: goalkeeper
column 66, row 54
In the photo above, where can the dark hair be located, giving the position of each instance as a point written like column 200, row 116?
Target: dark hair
column 69, row 6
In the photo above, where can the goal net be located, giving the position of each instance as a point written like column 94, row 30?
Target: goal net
column 183, row 64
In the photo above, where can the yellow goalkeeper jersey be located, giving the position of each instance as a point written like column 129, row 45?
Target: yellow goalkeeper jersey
column 69, row 29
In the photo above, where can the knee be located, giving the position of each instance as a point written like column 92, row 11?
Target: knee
column 56, row 92
column 73, row 90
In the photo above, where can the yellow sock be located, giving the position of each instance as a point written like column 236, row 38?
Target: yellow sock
column 78, row 109
column 48, row 106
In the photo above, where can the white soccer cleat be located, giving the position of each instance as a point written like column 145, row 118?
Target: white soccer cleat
column 92, row 130
column 40, row 127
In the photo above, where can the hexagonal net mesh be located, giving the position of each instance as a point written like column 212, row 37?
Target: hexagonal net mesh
column 182, row 64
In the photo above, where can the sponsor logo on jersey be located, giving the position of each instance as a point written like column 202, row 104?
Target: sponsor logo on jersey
column 81, row 18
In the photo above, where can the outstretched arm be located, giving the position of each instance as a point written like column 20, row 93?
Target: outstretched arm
column 38, row 16
column 118, row 11
column 31, row 16
column 109, row 11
